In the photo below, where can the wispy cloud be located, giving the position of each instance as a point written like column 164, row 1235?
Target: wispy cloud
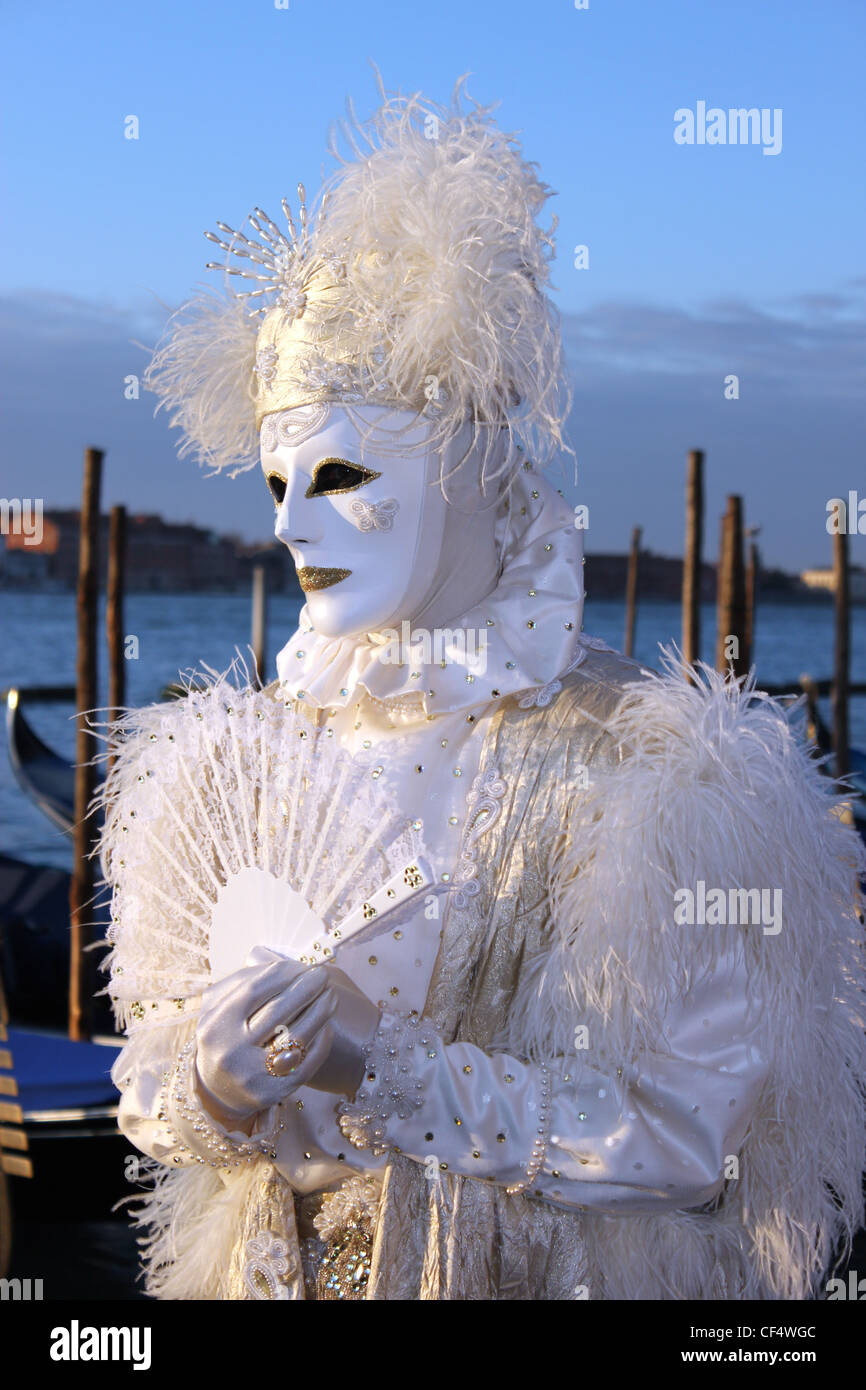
column 649, row 385
column 810, row 342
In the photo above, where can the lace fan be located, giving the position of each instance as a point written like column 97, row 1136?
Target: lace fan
column 233, row 822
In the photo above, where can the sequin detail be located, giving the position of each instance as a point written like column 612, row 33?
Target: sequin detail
column 389, row 1089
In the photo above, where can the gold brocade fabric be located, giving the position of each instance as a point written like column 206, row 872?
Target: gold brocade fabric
column 265, row 1261
column 464, row 1238
column 457, row 1237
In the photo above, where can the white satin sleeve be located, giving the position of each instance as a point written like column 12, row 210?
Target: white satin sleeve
column 160, row 1111
column 664, row 1132
column 142, row 1072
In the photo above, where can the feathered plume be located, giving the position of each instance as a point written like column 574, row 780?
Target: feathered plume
column 446, row 268
column 419, row 282
column 202, row 372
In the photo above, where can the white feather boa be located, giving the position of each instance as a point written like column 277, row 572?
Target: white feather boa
column 714, row 784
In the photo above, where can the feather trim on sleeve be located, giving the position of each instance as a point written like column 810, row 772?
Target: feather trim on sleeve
column 709, row 782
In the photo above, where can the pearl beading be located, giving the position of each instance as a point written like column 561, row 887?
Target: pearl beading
column 227, row 1153
column 539, row 1148
column 363, row 1121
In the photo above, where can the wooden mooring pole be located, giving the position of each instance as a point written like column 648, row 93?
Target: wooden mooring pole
column 692, row 560
column 842, row 652
column 631, row 592
column 260, row 619
column 115, row 591
column 731, row 645
column 753, row 571
column 81, row 888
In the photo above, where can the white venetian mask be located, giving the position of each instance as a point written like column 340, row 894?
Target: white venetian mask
column 356, row 509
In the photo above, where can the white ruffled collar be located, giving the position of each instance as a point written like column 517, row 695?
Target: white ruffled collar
column 530, row 626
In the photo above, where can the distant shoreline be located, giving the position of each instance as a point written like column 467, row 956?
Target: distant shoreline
column 775, row 598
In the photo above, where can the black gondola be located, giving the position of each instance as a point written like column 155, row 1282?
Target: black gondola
column 47, row 779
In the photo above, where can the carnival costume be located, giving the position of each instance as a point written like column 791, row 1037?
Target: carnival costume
column 494, row 1061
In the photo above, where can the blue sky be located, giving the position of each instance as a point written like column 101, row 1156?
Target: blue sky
column 704, row 260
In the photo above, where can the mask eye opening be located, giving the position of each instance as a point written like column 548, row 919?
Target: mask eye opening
column 277, row 486
column 333, row 476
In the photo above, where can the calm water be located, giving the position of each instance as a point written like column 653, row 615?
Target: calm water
column 176, row 632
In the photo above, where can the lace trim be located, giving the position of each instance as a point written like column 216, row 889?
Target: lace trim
column 375, row 516
column 265, row 1265
column 484, row 803
column 390, row 1088
column 178, row 1095
column 541, row 697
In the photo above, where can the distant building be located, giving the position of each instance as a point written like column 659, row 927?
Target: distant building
column 160, row 556
column 826, row 579
column 175, row 557
column 659, row 576
column 28, row 560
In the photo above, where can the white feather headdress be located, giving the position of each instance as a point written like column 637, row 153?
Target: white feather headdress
column 418, row 281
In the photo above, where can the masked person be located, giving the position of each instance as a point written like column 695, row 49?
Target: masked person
column 468, row 960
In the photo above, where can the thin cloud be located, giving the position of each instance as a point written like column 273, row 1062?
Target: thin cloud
column 648, row 382
column 811, row 342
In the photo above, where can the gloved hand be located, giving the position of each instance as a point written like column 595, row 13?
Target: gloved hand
column 240, row 1017
column 273, row 1000
column 351, row 1024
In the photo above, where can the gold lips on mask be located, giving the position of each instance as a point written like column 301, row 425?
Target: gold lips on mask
column 312, row 577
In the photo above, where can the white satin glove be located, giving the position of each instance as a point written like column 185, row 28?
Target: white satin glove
column 270, row 998
column 351, row 1026
column 273, row 1000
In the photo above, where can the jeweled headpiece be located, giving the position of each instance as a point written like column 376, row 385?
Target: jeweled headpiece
column 418, row 281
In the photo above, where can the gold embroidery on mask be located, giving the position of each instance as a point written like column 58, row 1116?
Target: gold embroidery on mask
column 368, row 476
